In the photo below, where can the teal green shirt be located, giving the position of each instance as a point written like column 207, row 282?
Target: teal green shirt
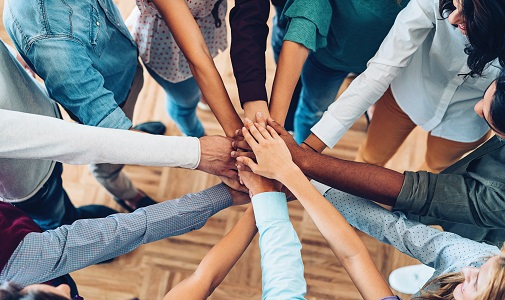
column 344, row 34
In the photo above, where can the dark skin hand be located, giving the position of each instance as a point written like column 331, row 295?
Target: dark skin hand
column 368, row 181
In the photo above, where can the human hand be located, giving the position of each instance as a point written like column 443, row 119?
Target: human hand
column 234, row 184
column 256, row 184
column 298, row 154
column 272, row 154
column 239, row 193
column 215, row 156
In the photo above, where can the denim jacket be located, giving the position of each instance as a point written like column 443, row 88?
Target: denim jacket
column 82, row 50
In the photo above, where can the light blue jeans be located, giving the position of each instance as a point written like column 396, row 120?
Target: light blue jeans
column 320, row 86
column 181, row 101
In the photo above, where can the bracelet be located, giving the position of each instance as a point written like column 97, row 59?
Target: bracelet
column 310, row 147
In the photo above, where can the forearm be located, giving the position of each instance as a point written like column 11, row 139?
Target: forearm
column 289, row 68
column 210, row 83
column 78, row 144
column 364, row 180
column 44, row 256
column 215, row 266
column 190, row 40
column 342, row 239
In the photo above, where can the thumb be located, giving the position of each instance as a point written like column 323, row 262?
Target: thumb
column 277, row 127
column 248, row 162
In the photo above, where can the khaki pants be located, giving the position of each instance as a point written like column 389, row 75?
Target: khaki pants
column 390, row 126
column 110, row 176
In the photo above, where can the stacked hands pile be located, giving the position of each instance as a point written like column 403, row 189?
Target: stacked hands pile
column 437, row 65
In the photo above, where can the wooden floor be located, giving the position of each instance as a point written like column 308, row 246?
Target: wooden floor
column 150, row 271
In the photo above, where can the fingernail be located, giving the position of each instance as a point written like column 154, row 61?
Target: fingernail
column 237, row 131
column 233, row 153
column 233, row 144
column 259, row 114
column 247, row 120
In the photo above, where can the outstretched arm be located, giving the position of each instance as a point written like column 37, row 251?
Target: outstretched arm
column 43, row 256
column 218, row 262
column 189, row 38
column 281, row 260
column 274, row 161
column 364, row 180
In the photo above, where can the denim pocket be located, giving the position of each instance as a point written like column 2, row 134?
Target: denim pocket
column 97, row 32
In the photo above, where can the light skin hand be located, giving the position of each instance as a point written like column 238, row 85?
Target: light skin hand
column 272, row 154
column 254, row 183
column 215, row 156
column 253, row 108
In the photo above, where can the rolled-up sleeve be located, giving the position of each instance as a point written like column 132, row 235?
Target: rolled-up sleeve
column 454, row 198
column 309, row 22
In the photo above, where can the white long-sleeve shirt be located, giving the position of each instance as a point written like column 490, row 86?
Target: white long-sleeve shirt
column 32, row 138
column 421, row 58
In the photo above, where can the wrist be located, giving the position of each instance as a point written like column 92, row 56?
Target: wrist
column 290, row 175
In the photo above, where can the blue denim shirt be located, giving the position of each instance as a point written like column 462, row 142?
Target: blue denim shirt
column 82, row 50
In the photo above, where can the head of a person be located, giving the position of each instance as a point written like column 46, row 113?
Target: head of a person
column 492, row 106
column 11, row 291
column 484, row 283
column 482, row 22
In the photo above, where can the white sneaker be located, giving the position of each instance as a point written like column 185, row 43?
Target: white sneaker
column 410, row 279
column 203, row 106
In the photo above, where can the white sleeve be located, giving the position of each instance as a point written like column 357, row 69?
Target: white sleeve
column 28, row 136
column 412, row 26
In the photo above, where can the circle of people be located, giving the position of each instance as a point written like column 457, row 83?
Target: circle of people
column 437, row 64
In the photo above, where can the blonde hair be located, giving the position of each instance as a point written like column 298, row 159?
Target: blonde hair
column 442, row 287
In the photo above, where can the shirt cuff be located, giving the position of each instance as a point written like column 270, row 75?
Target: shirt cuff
column 303, row 31
column 116, row 119
column 270, row 206
column 320, row 187
column 251, row 91
column 328, row 130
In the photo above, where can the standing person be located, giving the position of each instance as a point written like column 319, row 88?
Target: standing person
column 324, row 42
column 88, row 61
column 430, row 70
column 167, row 64
column 464, row 269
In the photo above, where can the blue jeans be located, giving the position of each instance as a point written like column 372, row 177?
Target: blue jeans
column 320, row 86
column 50, row 207
column 181, row 101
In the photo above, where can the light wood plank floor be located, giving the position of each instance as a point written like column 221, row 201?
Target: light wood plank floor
column 150, row 271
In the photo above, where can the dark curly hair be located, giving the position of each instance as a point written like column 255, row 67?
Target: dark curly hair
column 484, row 21
column 497, row 107
column 11, row 291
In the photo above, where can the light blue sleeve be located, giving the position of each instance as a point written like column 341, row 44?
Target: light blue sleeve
column 281, row 260
column 44, row 256
column 444, row 251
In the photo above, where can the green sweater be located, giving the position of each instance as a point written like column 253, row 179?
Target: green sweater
column 344, row 34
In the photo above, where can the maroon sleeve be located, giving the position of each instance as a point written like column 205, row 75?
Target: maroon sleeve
column 249, row 30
